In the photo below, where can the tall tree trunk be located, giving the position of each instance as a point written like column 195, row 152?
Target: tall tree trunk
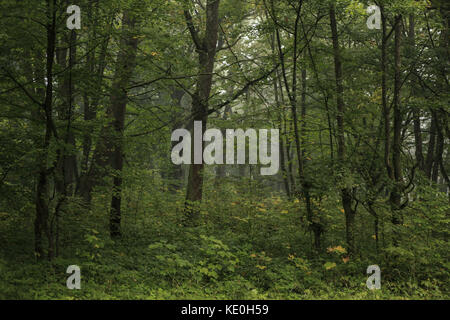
column 96, row 67
column 384, row 102
column 41, row 223
column 67, row 168
column 69, row 159
column 396, row 193
column 206, row 49
column 286, row 140
column 123, row 73
column 280, row 112
column 345, row 192
column 418, row 142
column 303, row 110
column 314, row 221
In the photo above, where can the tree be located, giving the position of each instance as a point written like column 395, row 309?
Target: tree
column 206, row 49
column 346, row 193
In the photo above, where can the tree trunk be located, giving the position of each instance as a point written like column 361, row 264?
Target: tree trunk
column 386, row 109
column 88, row 178
column 68, row 161
column 397, row 126
column 345, row 192
column 206, row 49
column 41, row 223
column 280, row 112
column 418, row 142
column 313, row 221
column 123, row 73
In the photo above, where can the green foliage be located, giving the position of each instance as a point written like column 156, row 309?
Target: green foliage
column 251, row 239
column 263, row 254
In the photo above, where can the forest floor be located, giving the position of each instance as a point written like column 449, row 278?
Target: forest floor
column 243, row 249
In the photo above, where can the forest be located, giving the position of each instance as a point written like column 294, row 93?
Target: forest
column 118, row 161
